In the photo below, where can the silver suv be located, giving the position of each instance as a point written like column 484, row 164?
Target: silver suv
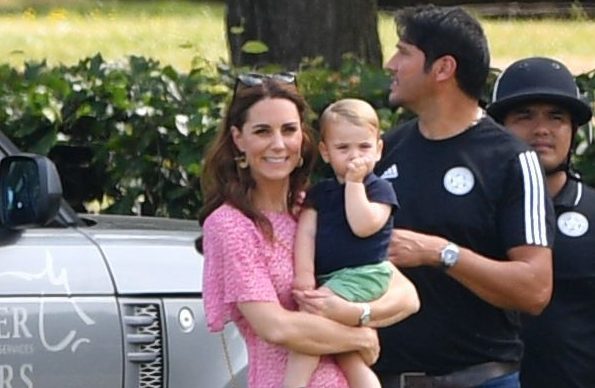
column 100, row 301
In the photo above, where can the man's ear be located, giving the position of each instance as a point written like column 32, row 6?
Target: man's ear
column 236, row 135
column 323, row 151
column 445, row 67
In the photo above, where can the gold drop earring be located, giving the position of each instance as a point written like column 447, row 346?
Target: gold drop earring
column 241, row 161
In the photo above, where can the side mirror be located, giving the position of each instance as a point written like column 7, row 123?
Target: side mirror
column 30, row 191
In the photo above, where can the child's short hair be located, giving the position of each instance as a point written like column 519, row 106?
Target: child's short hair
column 356, row 111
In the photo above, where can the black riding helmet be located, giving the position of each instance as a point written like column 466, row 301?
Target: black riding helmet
column 538, row 79
column 544, row 80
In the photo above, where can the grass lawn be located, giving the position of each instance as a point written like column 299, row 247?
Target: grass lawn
column 172, row 32
column 510, row 40
column 177, row 32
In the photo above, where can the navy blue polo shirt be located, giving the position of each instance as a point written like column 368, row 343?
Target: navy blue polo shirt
column 336, row 245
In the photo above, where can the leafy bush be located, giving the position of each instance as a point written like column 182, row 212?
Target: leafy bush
column 130, row 137
column 584, row 161
column 146, row 128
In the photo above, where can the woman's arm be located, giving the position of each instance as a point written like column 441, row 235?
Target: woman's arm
column 306, row 333
column 397, row 303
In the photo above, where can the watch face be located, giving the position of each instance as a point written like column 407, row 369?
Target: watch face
column 450, row 255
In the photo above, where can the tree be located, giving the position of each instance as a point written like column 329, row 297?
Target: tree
column 283, row 32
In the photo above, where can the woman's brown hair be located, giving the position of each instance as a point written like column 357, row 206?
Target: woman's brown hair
column 223, row 181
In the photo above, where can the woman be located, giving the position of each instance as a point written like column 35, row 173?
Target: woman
column 253, row 176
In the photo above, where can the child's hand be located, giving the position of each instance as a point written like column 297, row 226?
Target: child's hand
column 304, row 282
column 358, row 168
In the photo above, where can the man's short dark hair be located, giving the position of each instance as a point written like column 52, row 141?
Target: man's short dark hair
column 439, row 31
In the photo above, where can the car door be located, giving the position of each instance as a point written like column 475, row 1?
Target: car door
column 59, row 320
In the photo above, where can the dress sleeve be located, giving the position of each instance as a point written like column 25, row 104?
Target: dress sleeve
column 235, row 268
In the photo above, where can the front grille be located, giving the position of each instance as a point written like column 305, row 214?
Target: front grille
column 144, row 337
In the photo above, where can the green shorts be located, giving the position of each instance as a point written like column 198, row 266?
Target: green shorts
column 359, row 284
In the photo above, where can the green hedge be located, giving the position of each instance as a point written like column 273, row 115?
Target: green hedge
column 144, row 126
column 131, row 136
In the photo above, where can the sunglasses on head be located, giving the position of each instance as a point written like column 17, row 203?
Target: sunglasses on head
column 255, row 79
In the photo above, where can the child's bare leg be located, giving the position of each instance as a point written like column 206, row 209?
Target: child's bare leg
column 300, row 368
column 358, row 374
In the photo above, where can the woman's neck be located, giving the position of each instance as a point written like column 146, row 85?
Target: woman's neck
column 273, row 198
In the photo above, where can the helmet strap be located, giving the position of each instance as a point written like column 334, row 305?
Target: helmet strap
column 564, row 166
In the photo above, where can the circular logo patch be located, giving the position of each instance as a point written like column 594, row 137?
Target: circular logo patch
column 459, row 180
column 573, row 224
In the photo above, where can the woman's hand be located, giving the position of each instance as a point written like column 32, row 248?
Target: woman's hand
column 326, row 304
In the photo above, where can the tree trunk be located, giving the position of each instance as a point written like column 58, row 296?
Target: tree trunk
column 296, row 29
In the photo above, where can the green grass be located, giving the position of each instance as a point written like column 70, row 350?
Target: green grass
column 510, row 40
column 176, row 32
column 566, row 41
column 171, row 32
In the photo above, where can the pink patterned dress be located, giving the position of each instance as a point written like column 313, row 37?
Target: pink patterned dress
column 242, row 266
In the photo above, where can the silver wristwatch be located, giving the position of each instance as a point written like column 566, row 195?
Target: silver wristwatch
column 364, row 319
column 449, row 255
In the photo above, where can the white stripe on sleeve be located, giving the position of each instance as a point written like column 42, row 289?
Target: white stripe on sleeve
column 534, row 201
column 541, row 199
column 527, row 189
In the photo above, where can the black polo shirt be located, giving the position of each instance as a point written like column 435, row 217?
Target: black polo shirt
column 484, row 190
column 336, row 245
column 560, row 343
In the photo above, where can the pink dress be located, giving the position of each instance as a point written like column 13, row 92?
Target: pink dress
column 242, row 266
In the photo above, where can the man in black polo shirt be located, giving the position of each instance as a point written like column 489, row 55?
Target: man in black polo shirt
column 537, row 99
column 475, row 226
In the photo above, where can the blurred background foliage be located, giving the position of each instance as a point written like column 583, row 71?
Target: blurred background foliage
column 128, row 128
column 129, row 137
